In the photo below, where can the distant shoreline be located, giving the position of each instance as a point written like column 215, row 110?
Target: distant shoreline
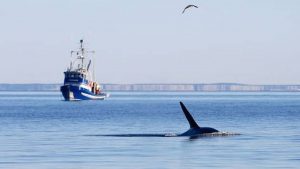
column 213, row 87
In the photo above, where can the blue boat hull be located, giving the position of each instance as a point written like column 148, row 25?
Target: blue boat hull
column 71, row 92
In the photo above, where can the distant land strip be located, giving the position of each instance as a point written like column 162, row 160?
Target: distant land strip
column 214, row 87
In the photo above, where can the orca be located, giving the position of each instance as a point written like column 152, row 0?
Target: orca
column 195, row 130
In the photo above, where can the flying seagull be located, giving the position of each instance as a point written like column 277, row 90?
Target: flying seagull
column 189, row 6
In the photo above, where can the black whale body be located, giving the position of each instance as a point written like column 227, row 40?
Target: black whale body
column 195, row 129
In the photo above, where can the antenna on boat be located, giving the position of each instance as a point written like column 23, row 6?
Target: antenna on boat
column 94, row 68
column 81, row 43
column 88, row 67
column 82, row 52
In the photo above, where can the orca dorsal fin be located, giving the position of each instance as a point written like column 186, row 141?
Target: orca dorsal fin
column 188, row 116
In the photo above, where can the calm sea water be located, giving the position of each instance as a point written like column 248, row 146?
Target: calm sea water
column 39, row 130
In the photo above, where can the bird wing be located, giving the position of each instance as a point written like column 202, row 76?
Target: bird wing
column 189, row 7
column 185, row 9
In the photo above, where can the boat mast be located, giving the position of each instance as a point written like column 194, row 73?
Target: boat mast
column 82, row 53
column 80, row 58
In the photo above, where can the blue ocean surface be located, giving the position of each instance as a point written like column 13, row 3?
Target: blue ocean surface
column 38, row 130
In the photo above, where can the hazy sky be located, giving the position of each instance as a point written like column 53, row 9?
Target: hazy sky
column 136, row 41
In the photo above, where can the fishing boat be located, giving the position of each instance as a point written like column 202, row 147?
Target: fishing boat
column 79, row 81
